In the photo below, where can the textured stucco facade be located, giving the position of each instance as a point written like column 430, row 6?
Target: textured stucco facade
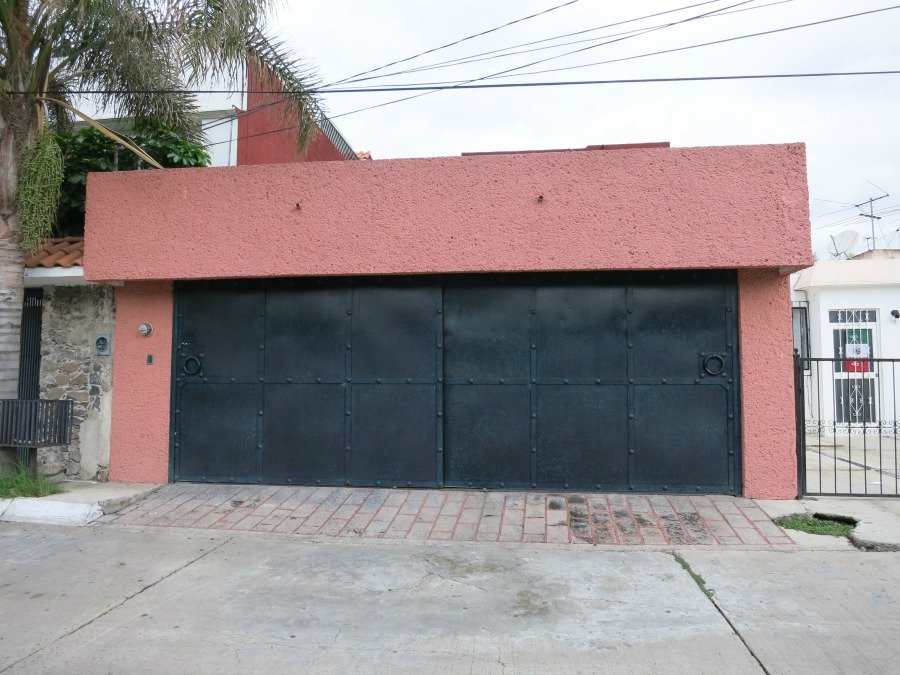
column 139, row 450
column 769, row 452
column 742, row 208
column 657, row 208
column 70, row 369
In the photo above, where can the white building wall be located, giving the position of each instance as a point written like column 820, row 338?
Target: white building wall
column 882, row 299
column 876, row 385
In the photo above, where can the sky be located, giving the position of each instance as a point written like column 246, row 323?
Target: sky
column 850, row 125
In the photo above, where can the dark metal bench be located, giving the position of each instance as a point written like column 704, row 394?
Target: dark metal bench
column 26, row 424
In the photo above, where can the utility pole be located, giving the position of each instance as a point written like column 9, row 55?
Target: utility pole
column 871, row 214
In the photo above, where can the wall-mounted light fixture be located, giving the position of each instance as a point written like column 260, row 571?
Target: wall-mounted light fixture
column 145, row 329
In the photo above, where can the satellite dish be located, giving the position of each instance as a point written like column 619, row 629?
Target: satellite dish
column 843, row 242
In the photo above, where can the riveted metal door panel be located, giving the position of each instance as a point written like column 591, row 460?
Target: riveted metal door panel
column 222, row 326
column 394, row 435
column 487, row 330
column 582, row 436
column 681, row 437
column 487, row 386
column 218, row 439
column 216, row 399
column 673, row 322
column 579, row 331
column 487, row 435
column 683, row 368
column 583, row 381
column 395, row 332
column 303, row 433
column 335, row 380
column 306, row 328
column 393, row 405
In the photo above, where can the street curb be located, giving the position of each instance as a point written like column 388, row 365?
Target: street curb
column 116, row 504
column 57, row 510
column 48, row 512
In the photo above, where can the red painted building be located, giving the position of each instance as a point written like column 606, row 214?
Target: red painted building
column 267, row 132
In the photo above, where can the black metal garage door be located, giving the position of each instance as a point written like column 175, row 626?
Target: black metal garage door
column 576, row 381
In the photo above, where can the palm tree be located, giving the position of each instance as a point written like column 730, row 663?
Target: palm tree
column 140, row 57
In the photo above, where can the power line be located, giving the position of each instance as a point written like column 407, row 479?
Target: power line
column 509, row 70
column 495, row 53
column 495, row 85
column 887, row 210
column 565, row 83
column 831, row 213
column 618, row 23
column 503, row 74
column 456, row 42
column 513, row 85
column 433, row 87
column 550, row 39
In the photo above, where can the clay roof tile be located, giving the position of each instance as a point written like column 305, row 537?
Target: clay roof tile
column 58, row 252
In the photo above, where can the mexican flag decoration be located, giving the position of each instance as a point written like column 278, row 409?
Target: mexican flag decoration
column 855, row 345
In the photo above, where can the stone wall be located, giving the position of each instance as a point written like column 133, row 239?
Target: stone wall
column 73, row 316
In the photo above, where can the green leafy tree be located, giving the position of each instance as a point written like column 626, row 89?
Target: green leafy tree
column 88, row 149
column 140, row 55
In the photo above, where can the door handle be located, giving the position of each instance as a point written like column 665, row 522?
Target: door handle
column 713, row 364
column 191, row 365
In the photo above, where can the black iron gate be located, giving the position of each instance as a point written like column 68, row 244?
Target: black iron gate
column 848, row 433
column 567, row 381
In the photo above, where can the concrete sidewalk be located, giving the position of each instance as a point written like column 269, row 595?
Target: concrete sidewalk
column 126, row 599
column 80, row 503
column 877, row 518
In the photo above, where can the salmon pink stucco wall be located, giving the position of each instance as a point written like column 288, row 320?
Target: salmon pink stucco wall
column 651, row 208
column 139, row 443
column 743, row 208
column 767, row 385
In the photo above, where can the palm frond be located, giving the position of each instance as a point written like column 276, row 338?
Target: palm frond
column 222, row 38
column 302, row 106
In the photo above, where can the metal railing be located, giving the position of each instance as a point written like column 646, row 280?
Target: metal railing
column 848, row 436
column 35, row 423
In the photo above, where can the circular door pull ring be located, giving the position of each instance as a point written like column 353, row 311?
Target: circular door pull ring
column 713, row 364
column 191, row 365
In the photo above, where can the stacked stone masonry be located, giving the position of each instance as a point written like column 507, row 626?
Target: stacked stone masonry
column 71, row 369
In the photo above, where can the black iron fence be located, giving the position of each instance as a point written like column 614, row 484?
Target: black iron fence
column 848, row 436
column 34, row 423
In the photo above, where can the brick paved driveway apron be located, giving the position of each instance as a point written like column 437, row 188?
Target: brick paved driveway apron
column 460, row 515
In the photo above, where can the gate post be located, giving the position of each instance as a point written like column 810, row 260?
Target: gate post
column 800, row 423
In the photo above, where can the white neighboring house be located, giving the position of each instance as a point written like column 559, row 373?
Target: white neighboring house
column 846, row 311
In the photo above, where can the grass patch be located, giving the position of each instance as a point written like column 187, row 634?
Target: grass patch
column 699, row 580
column 20, row 482
column 829, row 527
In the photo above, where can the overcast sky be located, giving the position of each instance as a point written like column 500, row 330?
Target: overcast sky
column 850, row 125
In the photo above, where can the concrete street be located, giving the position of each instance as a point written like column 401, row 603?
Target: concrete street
column 116, row 598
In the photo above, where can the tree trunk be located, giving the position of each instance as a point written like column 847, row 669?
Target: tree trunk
column 12, row 293
column 12, row 258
